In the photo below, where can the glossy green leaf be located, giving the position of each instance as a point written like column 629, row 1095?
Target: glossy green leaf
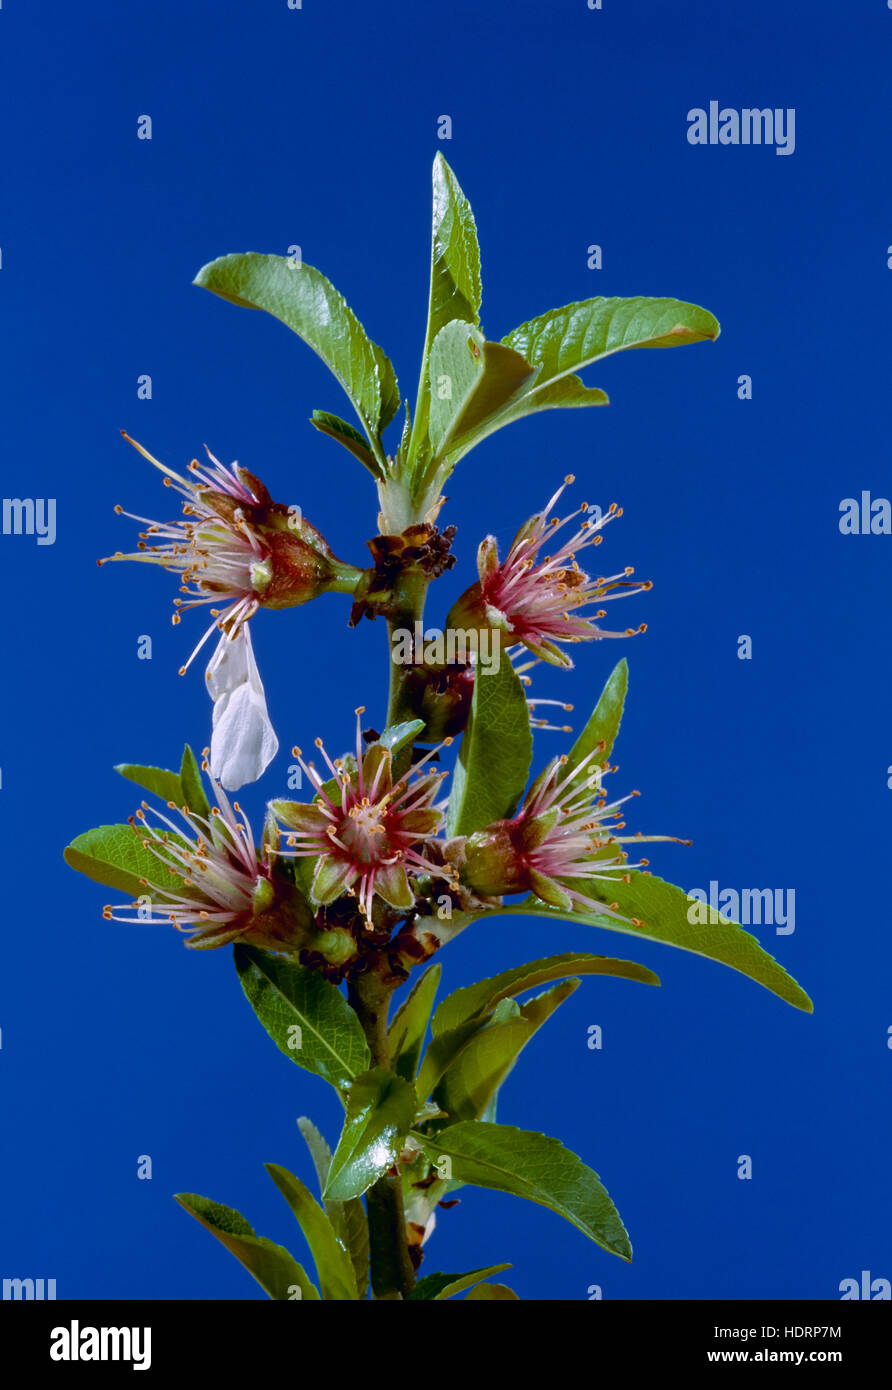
column 663, row 910
column 192, row 784
column 347, row 1218
column 409, row 1024
column 470, row 380
column 302, row 298
column 157, row 780
column 307, row 1017
column 276, row 1271
column 533, row 1166
column 455, row 289
column 390, row 391
column 345, row 434
column 561, row 342
column 495, row 755
column 380, row 1111
column 566, row 393
column 441, row 1286
column 604, row 722
column 565, row 340
column 397, row 736
column 479, row 999
column 116, row 856
column 333, row 1267
column 472, row 1080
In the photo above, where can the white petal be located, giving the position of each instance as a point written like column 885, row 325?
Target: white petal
column 243, row 743
column 229, row 666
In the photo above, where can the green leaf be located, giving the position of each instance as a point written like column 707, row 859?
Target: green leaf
column 194, row 796
column 495, row 755
column 472, row 1081
column 319, row 1149
column 184, row 788
column 345, row 434
column 333, row 1267
column 470, row 380
column 567, row 339
column 390, row 391
column 116, row 856
column 455, row 289
column 476, row 1000
column 276, row 1271
column 286, row 997
column 533, row 1166
column 397, row 736
column 348, row 1218
column 663, row 910
column 603, row 725
column 409, row 1025
column 491, row 1293
column 307, row 303
column 441, row 1051
column 442, row 1286
column 380, row 1111
column 563, row 341
column 157, row 780
column 567, row 393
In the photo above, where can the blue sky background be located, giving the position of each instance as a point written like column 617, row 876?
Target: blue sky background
column 318, row 127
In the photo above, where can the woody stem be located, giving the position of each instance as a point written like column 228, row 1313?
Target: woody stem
column 391, row 1268
column 409, row 610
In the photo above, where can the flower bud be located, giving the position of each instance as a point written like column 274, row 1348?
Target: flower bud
column 488, row 861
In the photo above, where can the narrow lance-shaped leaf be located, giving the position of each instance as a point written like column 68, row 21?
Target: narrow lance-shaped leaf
column 307, row 1017
column 194, row 795
column 476, row 1000
column 495, row 755
column 276, row 1271
column 345, row 434
column 455, row 289
column 472, row 1081
column 441, row 1051
column 301, row 297
column 347, row 1218
column 380, row 1110
column 533, row 1166
column 409, row 1024
column 668, row 915
column 333, row 1268
column 603, row 724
